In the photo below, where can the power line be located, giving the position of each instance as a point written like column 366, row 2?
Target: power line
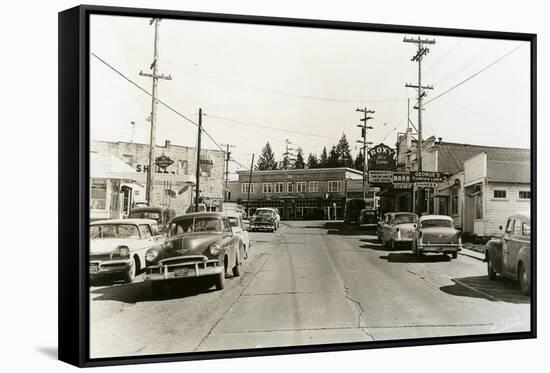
column 474, row 75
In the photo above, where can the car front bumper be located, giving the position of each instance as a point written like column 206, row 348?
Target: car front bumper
column 99, row 268
column 261, row 226
column 179, row 268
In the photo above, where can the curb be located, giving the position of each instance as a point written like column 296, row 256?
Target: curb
column 472, row 254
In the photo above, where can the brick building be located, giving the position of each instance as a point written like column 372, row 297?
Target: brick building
column 174, row 184
column 298, row 193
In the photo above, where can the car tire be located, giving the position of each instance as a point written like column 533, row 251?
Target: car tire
column 393, row 245
column 219, row 281
column 491, row 273
column 237, row 268
column 157, row 289
column 455, row 255
column 130, row 275
column 523, row 278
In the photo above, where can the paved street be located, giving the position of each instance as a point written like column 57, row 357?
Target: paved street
column 309, row 283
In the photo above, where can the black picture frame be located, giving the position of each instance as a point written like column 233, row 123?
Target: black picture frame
column 73, row 247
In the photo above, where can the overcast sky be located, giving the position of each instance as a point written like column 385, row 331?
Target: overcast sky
column 305, row 83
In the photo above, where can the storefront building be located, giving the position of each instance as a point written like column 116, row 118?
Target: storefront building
column 318, row 193
column 175, row 178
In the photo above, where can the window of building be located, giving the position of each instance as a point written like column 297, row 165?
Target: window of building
column 454, row 205
column 279, row 187
column 244, row 188
column 499, row 193
column 98, row 194
column 524, row 194
column 335, row 186
column 290, row 187
column 313, row 186
column 267, row 188
column 301, row 186
column 183, row 167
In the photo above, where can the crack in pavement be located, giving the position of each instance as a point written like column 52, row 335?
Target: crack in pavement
column 359, row 306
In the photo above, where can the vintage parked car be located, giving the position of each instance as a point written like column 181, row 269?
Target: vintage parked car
column 510, row 255
column 368, row 218
column 237, row 225
column 353, row 210
column 162, row 215
column 199, row 244
column 265, row 218
column 398, row 228
column 437, row 234
column 118, row 247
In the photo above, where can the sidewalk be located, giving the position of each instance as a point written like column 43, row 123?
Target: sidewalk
column 473, row 251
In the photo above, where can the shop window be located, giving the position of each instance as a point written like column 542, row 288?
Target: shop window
column 279, row 187
column 301, row 187
column 267, row 188
column 313, row 186
column 524, row 194
column 290, row 187
column 334, row 186
column 183, row 167
column 98, row 194
column 499, row 193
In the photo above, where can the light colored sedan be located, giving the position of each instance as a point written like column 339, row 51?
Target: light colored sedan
column 437, row 234
column 397, row 228
column 238, row 228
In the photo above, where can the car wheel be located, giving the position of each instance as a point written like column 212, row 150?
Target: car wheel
column 455, row 255
column 237, row 267
column 419, row 254
column 490, row 271
column 524, row 284
column 131, row 273
column 219, row 282
column 157, row 288
column 413, row 246
column 393, row 245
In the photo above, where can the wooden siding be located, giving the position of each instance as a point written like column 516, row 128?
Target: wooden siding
column 475, row 169
column 497, row 210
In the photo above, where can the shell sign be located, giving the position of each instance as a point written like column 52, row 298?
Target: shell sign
column 381, row 157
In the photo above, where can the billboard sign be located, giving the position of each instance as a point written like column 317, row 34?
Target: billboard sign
column 381, row 157
column 427, row 177
column 380, row 177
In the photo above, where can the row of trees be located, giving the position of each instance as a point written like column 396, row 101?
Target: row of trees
column 338, row 156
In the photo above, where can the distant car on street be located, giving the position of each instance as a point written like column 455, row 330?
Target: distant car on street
column 510, row 255
column 368, row 218
column 265, row 218
column 398, row 228
column 237, row 225
column 118, row 247
column 162, row 215
column 353, row 210
column 437, row 234
column 200, row 244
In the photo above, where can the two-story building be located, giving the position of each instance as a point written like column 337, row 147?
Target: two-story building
column 297, row 193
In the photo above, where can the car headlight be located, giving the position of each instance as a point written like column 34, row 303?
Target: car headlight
column 122, row 251
column 151, row 255
column 214, row 249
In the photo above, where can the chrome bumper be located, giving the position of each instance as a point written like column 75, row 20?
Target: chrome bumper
column 439, row 248
column 98, row 268
column 171, row 269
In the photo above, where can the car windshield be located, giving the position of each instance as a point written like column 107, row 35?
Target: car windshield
column 114, row 231
column 145, row 215
column 234, row 221
column 402, row 219
column 264, row 212
column 194, row 225
column 432, row 223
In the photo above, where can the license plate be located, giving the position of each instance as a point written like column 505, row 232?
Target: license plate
column 94, row 268
column 184, row 272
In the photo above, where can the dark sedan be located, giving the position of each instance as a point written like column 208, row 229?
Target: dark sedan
column 200, row 244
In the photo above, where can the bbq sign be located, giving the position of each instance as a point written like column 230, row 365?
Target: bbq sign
column 381, row 157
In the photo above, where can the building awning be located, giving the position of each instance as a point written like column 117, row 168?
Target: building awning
column 447, row 192
column 390, row 192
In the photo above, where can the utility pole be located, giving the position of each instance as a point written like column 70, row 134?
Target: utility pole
column 249, row 186
column 418, row 57
column 227, row 159
column 149, row 195
column 198, row 170
column 364, row 127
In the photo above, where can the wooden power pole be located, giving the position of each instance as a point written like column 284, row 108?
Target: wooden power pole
column 198, row 170
column 150, row 185
column 364, row 127
column 227, row 159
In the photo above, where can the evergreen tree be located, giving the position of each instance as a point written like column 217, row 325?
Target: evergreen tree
column 333, row 159
column 299, row 163
column 312, row 161
column 323, row 161
column 266, row 160
column 285, row 163
column 358, row 164
column 344, row 153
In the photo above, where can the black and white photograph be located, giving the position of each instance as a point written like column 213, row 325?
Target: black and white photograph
column 257, row 186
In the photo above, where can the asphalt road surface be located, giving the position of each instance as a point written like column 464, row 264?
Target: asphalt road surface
column 309, row 283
